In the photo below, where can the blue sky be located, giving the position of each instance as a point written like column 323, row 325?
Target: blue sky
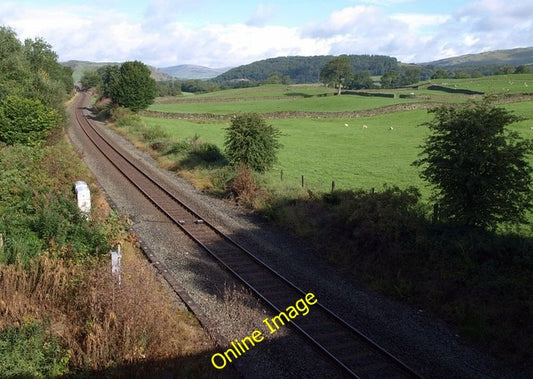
column 226, row 33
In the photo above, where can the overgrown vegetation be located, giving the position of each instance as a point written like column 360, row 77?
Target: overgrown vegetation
column 33, row 87
column 477, row 280
column 61, row 310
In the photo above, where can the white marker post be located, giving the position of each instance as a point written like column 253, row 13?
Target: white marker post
column 115, row 263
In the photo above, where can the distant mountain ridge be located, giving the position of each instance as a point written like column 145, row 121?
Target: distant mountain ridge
column 79, row 67
column 306, row 69
column 190, row 71
column 510, row 57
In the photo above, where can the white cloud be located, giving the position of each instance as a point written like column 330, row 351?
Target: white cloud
column 262, row 14
column 164, row 35
column 419, row 22
column 483, row 26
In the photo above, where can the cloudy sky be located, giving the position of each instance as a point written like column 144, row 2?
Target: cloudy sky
column 222, row 33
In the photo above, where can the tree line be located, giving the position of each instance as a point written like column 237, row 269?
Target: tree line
column 304, row 69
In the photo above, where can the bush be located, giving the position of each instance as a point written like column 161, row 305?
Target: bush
column 244, row 187
column 28, row 351
column 480, row 172
column 153, row 133
column 26, row 121
column 251, row 141
column 123, row 117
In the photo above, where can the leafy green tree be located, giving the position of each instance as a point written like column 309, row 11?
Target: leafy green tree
column 50, row 80
column 361, row 80
column 390, row 79
column 90, row 79
column 109, row 76
column 26, row 121
column 14, row 71
column 462, row 74
column 522, row 69
column 250, row 140
column 133, row 87
column 275, row 78
column 411, row 75
column 337, row 72
column 480, row 171
column 441, row 73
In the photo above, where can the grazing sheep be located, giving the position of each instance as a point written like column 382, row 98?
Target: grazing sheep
column 531, row 129
column 365, row 127
column 391, row 128
column 345, row 124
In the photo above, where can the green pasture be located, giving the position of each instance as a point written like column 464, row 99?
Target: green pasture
column 325, row 149
column 270, row 90
column 497, row 84
column 346, row 103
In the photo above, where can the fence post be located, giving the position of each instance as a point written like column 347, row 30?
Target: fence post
column 303, row 181
column 332, row 185
column 281, row 175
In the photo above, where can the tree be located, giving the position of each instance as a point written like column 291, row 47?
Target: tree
column 250, row 140
column 361, row 79
column 337, row 72
column 26, row 121
column 14, row 71
column 390, row 79
column 133, row 87
column 90, row 79
column 480, row 171
column 410, row 76
column 441, row 73
column 522, row 69
column 109, row 75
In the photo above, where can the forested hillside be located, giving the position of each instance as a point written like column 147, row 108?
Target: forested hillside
column 304, row 69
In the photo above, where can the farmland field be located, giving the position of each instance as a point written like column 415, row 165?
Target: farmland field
column 324, row 149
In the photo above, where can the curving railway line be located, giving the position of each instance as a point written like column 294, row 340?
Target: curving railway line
column 346, row 346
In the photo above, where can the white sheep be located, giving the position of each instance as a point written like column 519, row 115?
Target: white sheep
column 365, row 127
column 346, row 125
column 391, row 128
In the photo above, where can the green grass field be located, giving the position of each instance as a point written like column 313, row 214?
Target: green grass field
column 324, row 149
column 289, row 103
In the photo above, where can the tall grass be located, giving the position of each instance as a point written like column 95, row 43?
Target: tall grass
column 101, row 323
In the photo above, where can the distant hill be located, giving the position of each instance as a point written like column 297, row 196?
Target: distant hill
column 511, row 57
column 304, row 69
column 189, row 71
column 79, row 67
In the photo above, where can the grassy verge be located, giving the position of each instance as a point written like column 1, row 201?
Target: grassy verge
column 61, row 310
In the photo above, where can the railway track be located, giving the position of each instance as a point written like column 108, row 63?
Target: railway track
column 346, row 346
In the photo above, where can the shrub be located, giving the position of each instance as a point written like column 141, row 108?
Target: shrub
column 244, row 187
column 251, row 141
column 28, row 351
column 26, row 121
column 480, row 172
column 153, row 133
